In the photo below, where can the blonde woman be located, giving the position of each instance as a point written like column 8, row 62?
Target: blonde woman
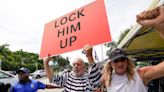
column 119, row 74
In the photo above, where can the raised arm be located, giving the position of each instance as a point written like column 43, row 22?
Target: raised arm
column 47, row 68
column 88, row 52
column 149, row 73
column 94, row 69
column 153, row 18
column 56, row 79
column 50, row 86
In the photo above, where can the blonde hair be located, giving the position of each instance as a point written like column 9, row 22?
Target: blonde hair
column 107, row 72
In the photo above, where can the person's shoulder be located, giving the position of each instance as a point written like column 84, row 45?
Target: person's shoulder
column 16, row 83
column 141, row 71
column 144, row 69
column 34, row 81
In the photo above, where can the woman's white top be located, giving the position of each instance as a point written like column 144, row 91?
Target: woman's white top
column 122, row 84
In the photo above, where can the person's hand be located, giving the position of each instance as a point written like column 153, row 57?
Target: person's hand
column 152, row 18
column 97, row 90
column 88, row 50
column 47, row 59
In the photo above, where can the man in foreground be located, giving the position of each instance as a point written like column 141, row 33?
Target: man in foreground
column 28, row 85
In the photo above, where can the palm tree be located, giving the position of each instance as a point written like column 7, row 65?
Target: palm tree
column 4, row 50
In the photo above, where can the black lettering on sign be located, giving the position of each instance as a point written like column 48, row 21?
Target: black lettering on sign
column 80, row 13
column 56, row 25
column 66, row 42
column 67, row 30
column 63, row 21
column 72, row 39
column 73, row 16
column 73, row 28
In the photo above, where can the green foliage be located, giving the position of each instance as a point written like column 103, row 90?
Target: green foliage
column 60, row 63
column 111, row 45
column 141, row 64
column 123, row 34
column 114, row 44
column 12, row 61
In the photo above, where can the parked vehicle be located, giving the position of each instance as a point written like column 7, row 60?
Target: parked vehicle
column 64, row 71
column 38, row 74
column 12, row 72
column 7, row 78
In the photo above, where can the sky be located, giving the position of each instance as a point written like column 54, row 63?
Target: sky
column 22, row 21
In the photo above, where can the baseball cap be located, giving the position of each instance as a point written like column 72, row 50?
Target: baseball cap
column 24, row 70
column 117, row 53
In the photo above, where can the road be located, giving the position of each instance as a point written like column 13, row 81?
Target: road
column 45, row 80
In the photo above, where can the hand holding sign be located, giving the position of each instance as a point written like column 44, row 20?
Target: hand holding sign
column 47, row 59
column 87, row 50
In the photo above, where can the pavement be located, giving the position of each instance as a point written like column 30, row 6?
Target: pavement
column 45, row 80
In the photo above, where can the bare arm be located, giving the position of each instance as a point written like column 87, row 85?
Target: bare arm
column 94, row 72
column 153, row 18
column 88, row 52
column 47, row 68
column 50, row 86
column 151, row 72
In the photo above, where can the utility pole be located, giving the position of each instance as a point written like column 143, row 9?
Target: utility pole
column 102, row 52
column 22, row 61
column 0, row 64
column 36, row 65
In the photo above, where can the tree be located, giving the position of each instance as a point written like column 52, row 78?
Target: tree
column 4, row 50
column 114, row 44
column 123, row 34
column 5, row 56
column 15, row 60
column 111, row 45
column 61, row 63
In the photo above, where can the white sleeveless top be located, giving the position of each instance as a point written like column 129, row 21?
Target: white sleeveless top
column 122, row 84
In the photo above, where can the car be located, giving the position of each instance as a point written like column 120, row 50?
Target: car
column 64, row 71
column 38, row 74
column 12, row 72
column 7, row 78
